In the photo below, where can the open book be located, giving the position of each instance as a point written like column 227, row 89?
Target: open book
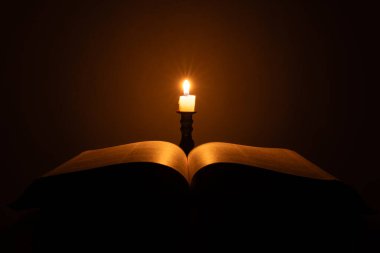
column 223, row 196
column 170, row 155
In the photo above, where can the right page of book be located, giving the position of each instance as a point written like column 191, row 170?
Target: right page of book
column 274, row 159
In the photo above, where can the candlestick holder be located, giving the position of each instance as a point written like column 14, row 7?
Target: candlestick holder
column 187, row 143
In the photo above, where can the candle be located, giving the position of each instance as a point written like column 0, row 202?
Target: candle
column 186, row 102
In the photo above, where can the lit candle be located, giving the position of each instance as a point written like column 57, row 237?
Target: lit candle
column 186, row 102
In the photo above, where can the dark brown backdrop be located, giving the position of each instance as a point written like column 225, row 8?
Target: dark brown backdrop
column 80, row 76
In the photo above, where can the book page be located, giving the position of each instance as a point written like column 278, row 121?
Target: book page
column 274, row 159
column 160, row 152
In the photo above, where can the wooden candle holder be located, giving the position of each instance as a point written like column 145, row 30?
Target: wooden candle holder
column 187, row 142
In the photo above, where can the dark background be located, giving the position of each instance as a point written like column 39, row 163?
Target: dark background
column 94, row 74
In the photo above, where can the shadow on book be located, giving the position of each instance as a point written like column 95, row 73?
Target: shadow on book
column 148, row 196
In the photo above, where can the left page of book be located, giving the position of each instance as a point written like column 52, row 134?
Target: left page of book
column 160, row 152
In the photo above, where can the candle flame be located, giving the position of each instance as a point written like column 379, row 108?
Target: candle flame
column 186, row 87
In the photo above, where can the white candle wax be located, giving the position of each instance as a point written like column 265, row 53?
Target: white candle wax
column 187, row 103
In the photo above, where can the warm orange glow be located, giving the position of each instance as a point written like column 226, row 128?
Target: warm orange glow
column 186, row 87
